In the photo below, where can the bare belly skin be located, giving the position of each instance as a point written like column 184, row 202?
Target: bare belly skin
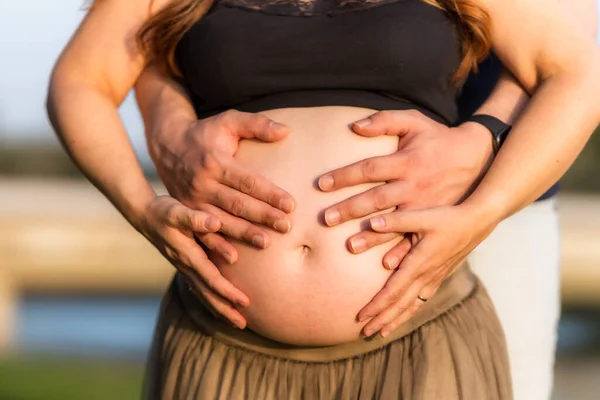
column 307, row 288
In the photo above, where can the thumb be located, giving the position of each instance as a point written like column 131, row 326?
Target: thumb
column 257, row 126
column 391, row 123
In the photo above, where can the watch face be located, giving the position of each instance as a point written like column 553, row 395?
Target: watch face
column 497, row 128
column 502, row 134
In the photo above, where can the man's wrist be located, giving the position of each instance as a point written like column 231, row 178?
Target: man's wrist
column 479, row 139
column 167, row 134
column 496, row 127
column 176, row 123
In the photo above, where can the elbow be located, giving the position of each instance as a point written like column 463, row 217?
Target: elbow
column 581, row 76
column 593, row 74
column 69, row 80
column 58, row 79
column 64, row 87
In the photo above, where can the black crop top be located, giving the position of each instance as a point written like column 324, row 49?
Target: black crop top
column 254, row 55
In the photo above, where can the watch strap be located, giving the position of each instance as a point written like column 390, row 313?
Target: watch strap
column 497, row 128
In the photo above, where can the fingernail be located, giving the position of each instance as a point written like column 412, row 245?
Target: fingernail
column 259, row 241
column 332, row 217
column 282, row 225
column 237, row 324
column 211, row 224
column 276, row 125
column 286, row 205
column 326, row 182
column 377, row 222
column 384, row 333
column 363, row 122
column 243, row 302
column 392, row 262
column 369, row 332
column 228, row 257
column 363, row 318
column 358, row 244
column 231, row 324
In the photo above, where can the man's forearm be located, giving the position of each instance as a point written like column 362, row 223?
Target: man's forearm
column 166, row 110
column 507, row 100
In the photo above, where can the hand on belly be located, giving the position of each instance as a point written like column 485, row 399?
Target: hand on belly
column 307, row 288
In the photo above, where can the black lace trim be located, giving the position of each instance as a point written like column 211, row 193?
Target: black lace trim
column 304, row 8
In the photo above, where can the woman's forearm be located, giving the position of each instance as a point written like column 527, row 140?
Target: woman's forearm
column 539, row 151
column 91, row 78
column 549, row 134
column 508, row 98
column 88, row 124
column 586, row 12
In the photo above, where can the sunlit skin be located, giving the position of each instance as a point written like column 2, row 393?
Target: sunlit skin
column 559, row 67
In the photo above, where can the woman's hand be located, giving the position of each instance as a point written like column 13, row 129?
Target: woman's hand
column 435, row 165
column 198, row 168
column 170, row 227
column 441, row 239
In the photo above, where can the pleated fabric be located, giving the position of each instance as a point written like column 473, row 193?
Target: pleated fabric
column 455, row 353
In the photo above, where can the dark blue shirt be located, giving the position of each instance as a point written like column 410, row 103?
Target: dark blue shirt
column 477, row 89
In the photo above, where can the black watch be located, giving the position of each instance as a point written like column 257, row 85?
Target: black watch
column 498, row 128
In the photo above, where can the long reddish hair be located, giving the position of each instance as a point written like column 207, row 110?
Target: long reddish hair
column 159, row 36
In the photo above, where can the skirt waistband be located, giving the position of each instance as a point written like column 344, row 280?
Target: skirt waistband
column 453, row 291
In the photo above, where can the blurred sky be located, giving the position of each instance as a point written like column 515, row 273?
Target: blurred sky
column 32, row 33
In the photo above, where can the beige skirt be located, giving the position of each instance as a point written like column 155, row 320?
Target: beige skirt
column 452, row 349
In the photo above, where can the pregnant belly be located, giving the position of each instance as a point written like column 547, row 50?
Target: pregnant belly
column 307, row 288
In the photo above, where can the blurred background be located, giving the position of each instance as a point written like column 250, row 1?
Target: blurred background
column 80, row 289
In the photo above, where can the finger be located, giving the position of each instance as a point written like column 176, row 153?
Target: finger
column 421, row 257
column 257, row 186
column 251, row 209
column 252, row 126
column 394, row 257
column 366, row 240
column 406, row 303
column 379, row 198
column 212, row 278
column 370, row 170
column 182, row 217
column 399, row 221
column 219, row 245
column 392, row 123
column 193, row 284
column 240, row 229
column 218, row 305
column 427, row 293
column 408, row 272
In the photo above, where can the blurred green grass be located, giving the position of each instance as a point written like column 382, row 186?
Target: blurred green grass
column 43, row 378
column 583, row 174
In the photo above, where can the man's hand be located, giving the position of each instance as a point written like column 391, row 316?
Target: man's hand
column 198, row 168
column 435, row 165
